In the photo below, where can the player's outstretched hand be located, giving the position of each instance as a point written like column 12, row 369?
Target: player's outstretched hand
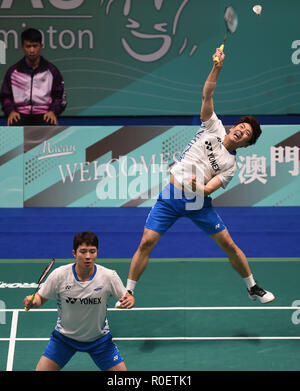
column 126, row 302
column 220, row 54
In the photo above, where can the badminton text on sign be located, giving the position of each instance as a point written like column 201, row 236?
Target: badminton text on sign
column 61, row 4
column 2, row 53
column 66, row 39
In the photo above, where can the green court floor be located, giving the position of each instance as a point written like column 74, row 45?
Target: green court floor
column 191, row 314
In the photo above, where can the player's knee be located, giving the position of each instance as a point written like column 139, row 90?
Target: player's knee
column 45, row 364
column 229, row 247
column 147, row 244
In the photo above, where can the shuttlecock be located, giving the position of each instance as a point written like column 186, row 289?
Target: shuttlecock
column 257, row 9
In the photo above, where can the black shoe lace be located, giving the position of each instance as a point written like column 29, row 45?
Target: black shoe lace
column 256, row 290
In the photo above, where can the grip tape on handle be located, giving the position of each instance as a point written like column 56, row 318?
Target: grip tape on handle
column 216, row 59
column 31, row 300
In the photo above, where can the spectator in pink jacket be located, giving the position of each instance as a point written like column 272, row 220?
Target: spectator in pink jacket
column 32, row 91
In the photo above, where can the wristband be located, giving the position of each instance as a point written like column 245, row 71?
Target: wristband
column 130, row 285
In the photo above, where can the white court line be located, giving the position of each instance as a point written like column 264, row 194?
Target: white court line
column 198, row 338
column 169, row 309
column 203, row 308
column 12, row 340
column 173, row 338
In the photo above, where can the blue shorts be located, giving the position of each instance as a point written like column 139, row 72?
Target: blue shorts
column 172, row 203
column 103, row 351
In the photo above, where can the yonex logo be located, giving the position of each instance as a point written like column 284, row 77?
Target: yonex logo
column 208, row 145
column 71, row 300
column 86, row 300
column 98, row 289
column 213, row 161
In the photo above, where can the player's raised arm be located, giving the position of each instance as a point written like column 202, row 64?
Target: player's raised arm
column 207, row 107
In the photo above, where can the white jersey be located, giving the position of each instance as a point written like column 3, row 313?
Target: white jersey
column 82, row 306
column 206, row 153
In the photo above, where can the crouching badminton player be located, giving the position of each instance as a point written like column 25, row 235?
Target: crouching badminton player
column 82, row 290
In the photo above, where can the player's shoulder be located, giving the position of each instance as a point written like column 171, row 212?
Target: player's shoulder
column 214, row 126
column 105, row 272
column 62, row 270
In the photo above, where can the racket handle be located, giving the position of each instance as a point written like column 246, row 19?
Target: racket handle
column 216, row 59
column 31, row 300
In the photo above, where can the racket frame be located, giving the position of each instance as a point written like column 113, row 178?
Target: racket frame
column 41, row 279
column 231, row 16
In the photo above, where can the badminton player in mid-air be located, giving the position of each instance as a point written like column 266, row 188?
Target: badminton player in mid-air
column 82, row 290
column 207, row 164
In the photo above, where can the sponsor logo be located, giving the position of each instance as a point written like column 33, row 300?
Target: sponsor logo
column 53, row 150
column 85, row 301
column 71, row 300
column 208, row 145
column 18, row 285
column 211, row 157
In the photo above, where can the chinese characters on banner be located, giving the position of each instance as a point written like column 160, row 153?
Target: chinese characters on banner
column 254, row 168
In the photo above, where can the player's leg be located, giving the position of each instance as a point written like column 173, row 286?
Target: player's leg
column 211, row 223
column 161, row 217
column 235, row 255
column 239, row 262
column 57, row 353
column 141, row 256
column 46, row 364
column 106, row 355
column 119, row 367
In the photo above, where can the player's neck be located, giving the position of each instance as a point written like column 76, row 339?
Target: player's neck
column 83, row 273
column 231, row 147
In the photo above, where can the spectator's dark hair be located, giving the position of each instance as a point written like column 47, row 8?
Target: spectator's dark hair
column 87, row 237
column 255, row 127
column 31, row 35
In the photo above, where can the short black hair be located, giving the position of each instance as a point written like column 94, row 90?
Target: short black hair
column 31, row 35
column 249, row 119
column 86, row 237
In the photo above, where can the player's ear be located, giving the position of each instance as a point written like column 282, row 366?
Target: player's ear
column 74, row 253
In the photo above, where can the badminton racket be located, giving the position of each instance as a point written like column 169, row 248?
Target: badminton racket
column 231, row 23
column 45, row 272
